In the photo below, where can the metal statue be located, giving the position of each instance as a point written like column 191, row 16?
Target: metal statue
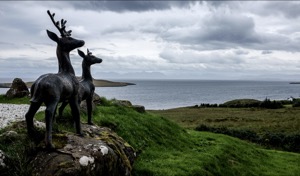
column 51, row 89
column 86, row 87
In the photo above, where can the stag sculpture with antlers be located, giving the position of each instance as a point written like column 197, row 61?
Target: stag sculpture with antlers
column 51, row 89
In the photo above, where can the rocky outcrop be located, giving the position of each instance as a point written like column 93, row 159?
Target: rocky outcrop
column 96, row 101
column 126, row 103
column 139, row 108
column 18, row 89
column 99, row 152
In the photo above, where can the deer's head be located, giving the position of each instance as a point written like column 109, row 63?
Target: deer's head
column 88, row 58
column 65, row 42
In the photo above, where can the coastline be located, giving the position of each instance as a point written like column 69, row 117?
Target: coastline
column 97, row 83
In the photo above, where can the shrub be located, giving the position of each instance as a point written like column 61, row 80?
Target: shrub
column 241, row 134
column 105, row 102
column 207, row 105
column 272, row 140
column 241, row 103
column 267, row 103
column 296, row 102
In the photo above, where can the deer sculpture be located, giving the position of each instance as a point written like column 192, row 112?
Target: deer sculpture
column 51, row 89
column 86, row 87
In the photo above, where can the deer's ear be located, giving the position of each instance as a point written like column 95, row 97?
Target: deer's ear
column 81, row 53
column 52, row 36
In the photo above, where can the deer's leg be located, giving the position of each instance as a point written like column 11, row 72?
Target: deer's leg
column 49, row 113
column 76, row 114
column 33, row 108
column 61, row 108
column 89, row 109
column 54, row 118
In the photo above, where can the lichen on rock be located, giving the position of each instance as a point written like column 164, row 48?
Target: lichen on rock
column 2, row 157
column 86, row 160
column 100, row 152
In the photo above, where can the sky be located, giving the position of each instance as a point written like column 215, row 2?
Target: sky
column 206, row 40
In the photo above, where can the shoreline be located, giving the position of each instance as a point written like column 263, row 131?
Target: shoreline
column 97, row 83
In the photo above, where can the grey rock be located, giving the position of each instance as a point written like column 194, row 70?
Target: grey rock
column 99, row 152
column 18, row 89
column 139, row 108
column 96, row 101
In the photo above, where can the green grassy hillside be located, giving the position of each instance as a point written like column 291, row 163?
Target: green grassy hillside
column 272, row 128
column 260, row 120
column 166, row 149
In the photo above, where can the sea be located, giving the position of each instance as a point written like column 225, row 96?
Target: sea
column 167, row 94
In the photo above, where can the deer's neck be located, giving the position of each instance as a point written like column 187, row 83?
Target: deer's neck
column 86, row 72
column 64, row 62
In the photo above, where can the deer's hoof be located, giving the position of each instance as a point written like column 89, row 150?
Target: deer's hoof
column 50, row 147
column 90, row 123
column 32, row 132
column 81, row 134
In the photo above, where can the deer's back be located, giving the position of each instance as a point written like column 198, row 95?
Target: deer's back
column 54, row 87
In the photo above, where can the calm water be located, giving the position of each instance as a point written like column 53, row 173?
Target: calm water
column 165, row 94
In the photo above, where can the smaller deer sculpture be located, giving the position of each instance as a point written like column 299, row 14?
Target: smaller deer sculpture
column 51, row 89
column 86, row 86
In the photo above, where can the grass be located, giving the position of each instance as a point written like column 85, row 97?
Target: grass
column 284, row 120
column 271, row 128
column 166, row 149
column 4, row 99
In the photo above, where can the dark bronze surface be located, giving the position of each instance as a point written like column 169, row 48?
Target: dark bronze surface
column 51, row 89
column 86, row 87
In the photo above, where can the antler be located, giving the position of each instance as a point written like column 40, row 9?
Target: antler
column 61, row 29
column 88, row 52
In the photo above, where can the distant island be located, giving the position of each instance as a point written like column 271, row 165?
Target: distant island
column 97, row 83
column 294, row 82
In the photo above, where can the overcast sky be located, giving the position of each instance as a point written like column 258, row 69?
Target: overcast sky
column 220, row 40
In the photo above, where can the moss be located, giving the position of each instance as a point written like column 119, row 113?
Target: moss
column 59, row 140
column 115, row 142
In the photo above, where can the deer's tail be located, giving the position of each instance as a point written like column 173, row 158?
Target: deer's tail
column 38, row 90
column 35, row 93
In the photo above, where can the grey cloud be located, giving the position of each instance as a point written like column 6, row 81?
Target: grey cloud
column 133, row 63
column 173, row 55
column 219, row 31
column 222, row 36
column 278, row 42
column 226, row 31
column 23, row 64
column 232, row 29
column 290, row 9
column 219, row 4
column 7, row 43
column 241, row 52
column 266, row 52
column 118, row 29
column 124, row 6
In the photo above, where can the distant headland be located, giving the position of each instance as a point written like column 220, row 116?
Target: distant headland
column 97, row 83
